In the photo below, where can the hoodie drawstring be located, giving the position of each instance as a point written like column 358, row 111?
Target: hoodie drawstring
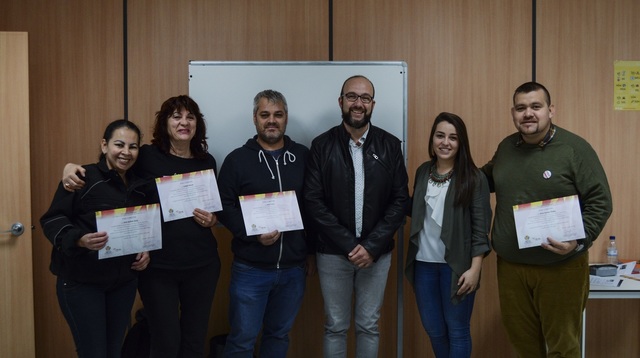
column 286, row 156
column 290, row 156
column 262, row 155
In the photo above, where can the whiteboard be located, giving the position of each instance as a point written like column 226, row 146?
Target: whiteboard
column 224, row 90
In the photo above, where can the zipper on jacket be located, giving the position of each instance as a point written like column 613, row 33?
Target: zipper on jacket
column 281, row 234
column 384, row 164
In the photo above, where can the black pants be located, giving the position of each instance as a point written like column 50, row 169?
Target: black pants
column 178, row 305
column 98, row 315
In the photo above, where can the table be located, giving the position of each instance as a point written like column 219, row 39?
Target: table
column 629, row 289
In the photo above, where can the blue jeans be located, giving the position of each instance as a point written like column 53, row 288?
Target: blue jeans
column 339, row 278
column 98, row 315
column 447, row 325
column 267, row 299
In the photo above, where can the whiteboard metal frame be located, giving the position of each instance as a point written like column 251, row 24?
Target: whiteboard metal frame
column 242, row 127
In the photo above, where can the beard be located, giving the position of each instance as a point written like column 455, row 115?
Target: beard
column 271, row 138
column 348, row 119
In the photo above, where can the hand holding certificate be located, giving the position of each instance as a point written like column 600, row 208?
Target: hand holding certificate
column 131, row 230
column 560, row 219
column 265, row 213
column 180, row 194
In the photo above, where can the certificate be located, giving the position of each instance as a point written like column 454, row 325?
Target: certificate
column 131, row 230
column 559, row 219
column 264, row 213
column 180, row 194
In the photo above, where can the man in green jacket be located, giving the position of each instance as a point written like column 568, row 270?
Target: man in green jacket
column 544, row 289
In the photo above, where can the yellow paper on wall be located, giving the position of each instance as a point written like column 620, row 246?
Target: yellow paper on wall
column 626, row 87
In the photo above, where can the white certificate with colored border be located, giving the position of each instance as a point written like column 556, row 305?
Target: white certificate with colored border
column 264, row 213
column 180, row 194
column 559, row 219
column 131, row 230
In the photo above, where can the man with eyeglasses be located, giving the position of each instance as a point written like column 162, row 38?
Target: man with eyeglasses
column 355, row 196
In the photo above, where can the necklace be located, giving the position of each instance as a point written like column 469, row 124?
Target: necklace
column 439, row 179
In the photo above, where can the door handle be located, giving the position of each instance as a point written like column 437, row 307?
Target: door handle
column 16, row 229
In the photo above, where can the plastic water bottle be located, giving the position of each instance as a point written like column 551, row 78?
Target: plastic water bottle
column 612, row 251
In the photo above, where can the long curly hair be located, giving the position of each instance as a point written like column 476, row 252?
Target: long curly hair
column 161, row 138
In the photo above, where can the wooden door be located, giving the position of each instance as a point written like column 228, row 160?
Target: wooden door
column 16, row 269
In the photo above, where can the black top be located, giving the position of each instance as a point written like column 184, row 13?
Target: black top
column 251, row 170
column 72, row 215
column 185, row 243
column 329, row 191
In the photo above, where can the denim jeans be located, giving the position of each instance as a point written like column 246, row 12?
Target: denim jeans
column 447, row 325
column 267, row 299
column 339, row 280
column 98, row 315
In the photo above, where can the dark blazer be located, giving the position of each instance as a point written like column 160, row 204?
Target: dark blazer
column 465, row 231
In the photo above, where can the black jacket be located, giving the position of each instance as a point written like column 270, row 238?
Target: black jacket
column 329, row 191
column 72, row 215
column 250, row 170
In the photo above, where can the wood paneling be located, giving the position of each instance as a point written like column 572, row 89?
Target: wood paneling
column 75, row 80
column 17, row 332
column 165, row 35
column 463, row 56
column 577, row 47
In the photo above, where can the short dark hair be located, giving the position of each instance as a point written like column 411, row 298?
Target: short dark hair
column 531, row 87
column 117, row 124
column 161, row 139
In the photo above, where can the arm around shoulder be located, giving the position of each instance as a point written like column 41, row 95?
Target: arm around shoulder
column 72, row 175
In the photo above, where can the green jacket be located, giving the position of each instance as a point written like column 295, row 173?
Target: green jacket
column 464, row 230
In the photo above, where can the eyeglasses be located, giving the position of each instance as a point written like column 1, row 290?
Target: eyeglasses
column 352, row 97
